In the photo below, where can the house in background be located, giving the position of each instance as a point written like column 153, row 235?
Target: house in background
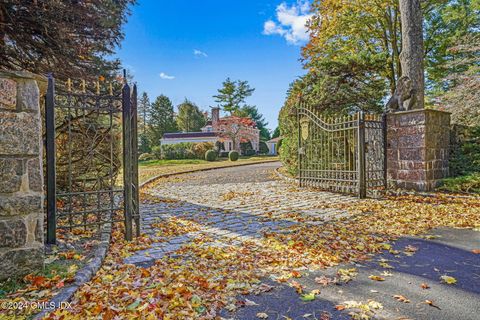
column 231, row 131
column 273, row 146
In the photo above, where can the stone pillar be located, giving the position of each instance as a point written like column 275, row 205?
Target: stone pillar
column 417, row 149
column 21, row 175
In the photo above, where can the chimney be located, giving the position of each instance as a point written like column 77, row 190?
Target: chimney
column 215, row 115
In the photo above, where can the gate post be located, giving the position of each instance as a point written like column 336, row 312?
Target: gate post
column 50, row 157
column 127, row 159
column 299, row 146
column 134, row 139
column 361, row 169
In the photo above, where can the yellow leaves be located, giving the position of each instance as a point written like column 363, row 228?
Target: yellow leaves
column 386, row 265
column 72, row 269
column 410, row 250
column 376, row 278
column 360, row 310
column 107, row 278
column 347, row 275
column 448, row 280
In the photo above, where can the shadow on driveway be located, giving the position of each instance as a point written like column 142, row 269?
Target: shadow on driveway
column 449, row 253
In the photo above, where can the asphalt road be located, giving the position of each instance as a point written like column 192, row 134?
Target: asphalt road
column 448, row 255
column 449, row 252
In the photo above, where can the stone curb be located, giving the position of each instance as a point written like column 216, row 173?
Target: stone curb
column 284, row 177
column 165, row 175
column 83, row 275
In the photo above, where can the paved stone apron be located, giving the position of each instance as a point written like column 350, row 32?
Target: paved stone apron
column 230, row 212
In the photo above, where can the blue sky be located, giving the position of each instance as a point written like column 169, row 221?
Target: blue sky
column 185, row 49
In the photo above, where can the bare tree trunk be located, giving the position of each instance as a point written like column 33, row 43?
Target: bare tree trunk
column 411, row 57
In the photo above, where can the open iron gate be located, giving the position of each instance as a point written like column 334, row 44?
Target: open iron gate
column 88, row 137
column 341, row 154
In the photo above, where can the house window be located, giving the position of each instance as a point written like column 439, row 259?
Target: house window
column 229, row 146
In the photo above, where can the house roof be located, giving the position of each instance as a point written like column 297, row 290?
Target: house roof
column 275, row 140
column 177, row 135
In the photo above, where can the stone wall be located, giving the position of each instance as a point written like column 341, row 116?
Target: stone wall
column 417, row 149
column 21, row 175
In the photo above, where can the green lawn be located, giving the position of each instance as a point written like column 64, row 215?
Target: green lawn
column 153, row 168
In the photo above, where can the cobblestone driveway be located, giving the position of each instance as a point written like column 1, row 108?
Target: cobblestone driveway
column 229, row 206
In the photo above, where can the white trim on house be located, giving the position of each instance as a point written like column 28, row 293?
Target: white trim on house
column 193, row 140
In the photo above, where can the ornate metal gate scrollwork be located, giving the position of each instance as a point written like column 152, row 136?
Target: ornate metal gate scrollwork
column 341, row 154
column 84, row 135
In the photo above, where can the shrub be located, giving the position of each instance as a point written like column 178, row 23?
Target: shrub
column 145, row 157
column 157, row 152
column 464, row 150
column 263, row 148
column 183, row 150
column 233, row 155
column 469, row 183
column 199, row 149
column 210, row 155
column 245, row 146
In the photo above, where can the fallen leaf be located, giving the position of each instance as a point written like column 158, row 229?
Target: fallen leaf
column 448, row 279
column 250, row 303
column 308, row 297
column 401, row 298
column 476, row 251
column 376, row 278
column 262, row 315
column 430, row 303
column 323, row 280
column 425, row 286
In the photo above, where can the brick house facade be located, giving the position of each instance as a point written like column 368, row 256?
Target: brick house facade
column 230, row 130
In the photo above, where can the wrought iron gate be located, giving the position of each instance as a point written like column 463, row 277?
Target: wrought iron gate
column 86, row 134
column 341, row 154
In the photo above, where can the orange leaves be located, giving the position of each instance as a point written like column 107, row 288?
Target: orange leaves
column 425, row 286
column 37, row 281
column 476, row 251
column 69, row 255
column 401, row 298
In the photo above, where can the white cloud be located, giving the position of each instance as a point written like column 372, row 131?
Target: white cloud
column 165, row 76
column 199, row 53
column 291, row 22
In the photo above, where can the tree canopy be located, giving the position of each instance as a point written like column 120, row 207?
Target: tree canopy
column 162, row 119
column 189, row 117
column 69, row 38
column 231, row 97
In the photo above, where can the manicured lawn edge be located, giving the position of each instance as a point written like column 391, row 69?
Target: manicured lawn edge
column 164, row 175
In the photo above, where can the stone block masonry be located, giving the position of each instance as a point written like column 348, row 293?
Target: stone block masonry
column 417, row 149
column 21, row 175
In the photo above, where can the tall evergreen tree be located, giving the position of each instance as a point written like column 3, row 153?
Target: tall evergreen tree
column 189, row 117
column 143, row 112
column 143, row 116
column 231, row 97
column 276, row 133
column 69, row 38
column 161, row 120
